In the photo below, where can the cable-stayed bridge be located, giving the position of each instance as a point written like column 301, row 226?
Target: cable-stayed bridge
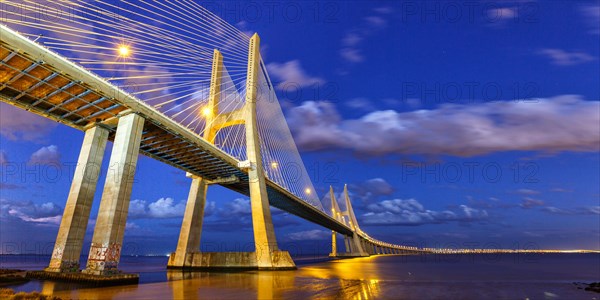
column 172, row 81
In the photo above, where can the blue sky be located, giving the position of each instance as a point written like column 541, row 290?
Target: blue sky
column 453, row 125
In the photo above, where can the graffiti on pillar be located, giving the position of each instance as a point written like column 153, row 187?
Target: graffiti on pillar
column 104, row 256
column 58, row 252
column 97, row 252
column 113, row 253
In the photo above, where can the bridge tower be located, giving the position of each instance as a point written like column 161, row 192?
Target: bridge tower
column 267, row 254
column 354, row 243
column 337, row 215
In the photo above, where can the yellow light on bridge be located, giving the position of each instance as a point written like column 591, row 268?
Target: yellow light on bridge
column 124, row 50
column 274, row 165
column 307, row 191
column 206, row 111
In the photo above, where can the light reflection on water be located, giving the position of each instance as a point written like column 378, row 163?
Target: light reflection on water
column 221, row 285
column 332, row 280
column 389, row 277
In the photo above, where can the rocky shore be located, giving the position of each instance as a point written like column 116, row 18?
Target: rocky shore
column 592, row 287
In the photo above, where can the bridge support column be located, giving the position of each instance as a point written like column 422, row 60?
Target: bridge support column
column 268, row 255
column 356, row 246
column 347, row 244
column 333, row 244
column 69, row 241
column 368, row 247
column 107, row 240
column 191, row 227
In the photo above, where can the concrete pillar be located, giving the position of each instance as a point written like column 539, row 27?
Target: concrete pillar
column 333, row 243
column 264, row 234
column 347, row 244
column 69, row 241
column 191, row 227
column 105, row 251
column 355, row 239
column 214, row 92
column 334, row 214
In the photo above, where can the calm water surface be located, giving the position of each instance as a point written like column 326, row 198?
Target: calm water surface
column 502, row 276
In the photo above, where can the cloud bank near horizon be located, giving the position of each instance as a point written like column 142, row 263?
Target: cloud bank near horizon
column 557, row 124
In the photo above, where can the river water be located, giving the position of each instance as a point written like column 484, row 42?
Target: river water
column 466, row 276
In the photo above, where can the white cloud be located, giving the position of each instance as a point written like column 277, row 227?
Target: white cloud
column 371, row 189
column 501, row 13
column 137, row 208
column 352, row 55
column 527, row 192
column 590, row 210
column 45, row 156
column 371, row 24
column 310, row 235
column 591, row 15
column 360, row 103
column 162, row 208
column 529, row 202
column 376, row 21
column 561, row 57
column 411, row 212
column 383, row 10
column 131, row 225
column 17, row 124
column 165, row 208
column 237, row 207
column 563, row 123
column 45, row 213
column 290, row 75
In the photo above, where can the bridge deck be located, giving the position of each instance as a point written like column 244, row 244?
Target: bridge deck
column 45, row 83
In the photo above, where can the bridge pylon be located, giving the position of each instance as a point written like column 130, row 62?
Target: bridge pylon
column 354, row 243
column 267, row 254
column 69, row 241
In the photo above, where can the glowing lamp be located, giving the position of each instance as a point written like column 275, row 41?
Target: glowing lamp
column 124, row 50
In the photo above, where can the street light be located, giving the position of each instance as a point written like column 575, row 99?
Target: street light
column 206, row 111
column 123, row 50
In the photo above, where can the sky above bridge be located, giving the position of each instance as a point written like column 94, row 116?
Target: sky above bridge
column 454, row 125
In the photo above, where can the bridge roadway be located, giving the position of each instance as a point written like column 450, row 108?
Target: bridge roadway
column 43, row 82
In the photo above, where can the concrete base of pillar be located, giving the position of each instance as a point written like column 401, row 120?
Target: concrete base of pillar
column 281, row 260
column 117, row 279
column 58, row 266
